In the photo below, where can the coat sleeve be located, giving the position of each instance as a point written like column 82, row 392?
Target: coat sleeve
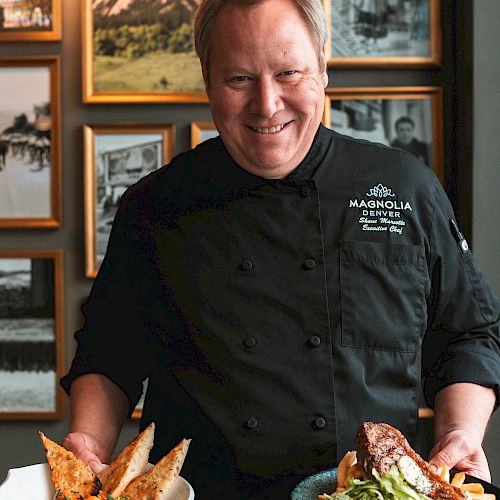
column 462, row 341
column 112, row 340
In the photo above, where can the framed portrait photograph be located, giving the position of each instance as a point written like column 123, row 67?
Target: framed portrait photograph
column 201, row 131
column 30, row 156
column 380, row 33
column 116, row 156
column 31, row 334
column 408, row 118
column 30, row 20
column 140, row 51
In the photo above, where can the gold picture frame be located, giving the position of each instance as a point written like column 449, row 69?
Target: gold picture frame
column 201, row 131
column 373, row 113
column 406, row 35
column 31, row 334
column 30, row 145
column 146, row 64
column 37, row 23
column 116, row 156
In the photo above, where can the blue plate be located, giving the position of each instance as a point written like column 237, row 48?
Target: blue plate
column 317, row 484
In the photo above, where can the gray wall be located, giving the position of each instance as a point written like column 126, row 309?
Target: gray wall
column 486, row 171
column 19, row 441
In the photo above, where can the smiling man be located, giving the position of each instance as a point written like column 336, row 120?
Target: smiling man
column 265, row 83
column 280, row 284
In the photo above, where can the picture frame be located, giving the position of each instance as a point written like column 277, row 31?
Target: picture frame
column 31, row 334
column 130, row 57
column 137, row 413
column 115, row 157
column 373, row 113
column 364, row 33
column 201, row 131
column 30, row 145
column 40, row 22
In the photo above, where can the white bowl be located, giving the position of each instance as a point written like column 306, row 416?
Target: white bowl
column 34, row 482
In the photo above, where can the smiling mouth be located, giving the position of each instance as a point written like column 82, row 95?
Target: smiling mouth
column 269, row 130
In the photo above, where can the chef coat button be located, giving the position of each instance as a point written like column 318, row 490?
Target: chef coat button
column 251, row 423
column 319, row 423
column 309, row 264
column 314, row 341
column 250, row 342
column 246, row 265
column 304, row 191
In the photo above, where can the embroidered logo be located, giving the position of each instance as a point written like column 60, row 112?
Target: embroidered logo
column 380, row 212
column 380, row 191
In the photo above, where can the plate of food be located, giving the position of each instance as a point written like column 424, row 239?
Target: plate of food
column 34, row 482
column 389, row 469
column 128, row 476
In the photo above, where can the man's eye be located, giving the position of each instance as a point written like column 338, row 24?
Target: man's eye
column 289, row 72
column 240, row 78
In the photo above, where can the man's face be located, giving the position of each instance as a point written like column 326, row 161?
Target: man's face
column 405, row 132
column 266, row 88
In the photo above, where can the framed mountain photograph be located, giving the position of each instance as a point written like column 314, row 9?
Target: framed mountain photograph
column 31, row 334
column 140, row 51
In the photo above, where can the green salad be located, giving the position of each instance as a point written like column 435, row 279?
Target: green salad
column 390, row 486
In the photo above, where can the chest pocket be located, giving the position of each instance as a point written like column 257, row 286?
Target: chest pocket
column 383, row 289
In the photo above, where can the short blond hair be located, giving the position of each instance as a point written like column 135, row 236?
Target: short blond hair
column 206, row 16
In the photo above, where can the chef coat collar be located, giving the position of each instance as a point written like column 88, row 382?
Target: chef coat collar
column 238, row 176
column 308, row 166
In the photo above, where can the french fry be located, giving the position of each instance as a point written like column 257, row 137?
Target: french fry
column 458, row 480
column 445, row 473
column 482, row 496
column 473, row 488
column 350, row 458
column 355, row 471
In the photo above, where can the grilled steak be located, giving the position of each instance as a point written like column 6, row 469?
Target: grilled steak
column 382, row 446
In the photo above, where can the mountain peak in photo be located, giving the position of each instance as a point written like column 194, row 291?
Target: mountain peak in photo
column 108, row 8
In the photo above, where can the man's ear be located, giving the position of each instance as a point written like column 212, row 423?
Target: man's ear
column 324, row 67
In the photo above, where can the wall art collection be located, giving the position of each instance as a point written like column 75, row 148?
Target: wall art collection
column 130, row 55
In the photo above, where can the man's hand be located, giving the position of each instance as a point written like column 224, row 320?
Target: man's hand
column 87, row 449
column 457, row 449
column 461, row 414
column 98, row 409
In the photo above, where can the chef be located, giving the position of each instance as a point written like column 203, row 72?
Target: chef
column 281, row 283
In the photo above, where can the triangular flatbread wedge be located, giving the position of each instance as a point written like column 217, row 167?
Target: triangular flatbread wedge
column 71, row 477
column 129, row 463
column 156, row 483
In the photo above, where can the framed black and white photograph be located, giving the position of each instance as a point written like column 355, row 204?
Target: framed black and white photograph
column 30, row 20
column 201, row 131
column 408, row 118
column 117, row 156
column 31, row 334
column 379, row 33
column 140, row 51
column 30, row 158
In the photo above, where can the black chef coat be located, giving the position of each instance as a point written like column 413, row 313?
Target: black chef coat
column 273, row 316
column 418, row 148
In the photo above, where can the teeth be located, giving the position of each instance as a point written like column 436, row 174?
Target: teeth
column 269, row 130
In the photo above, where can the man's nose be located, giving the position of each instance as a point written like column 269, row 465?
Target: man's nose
column 266, row 100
